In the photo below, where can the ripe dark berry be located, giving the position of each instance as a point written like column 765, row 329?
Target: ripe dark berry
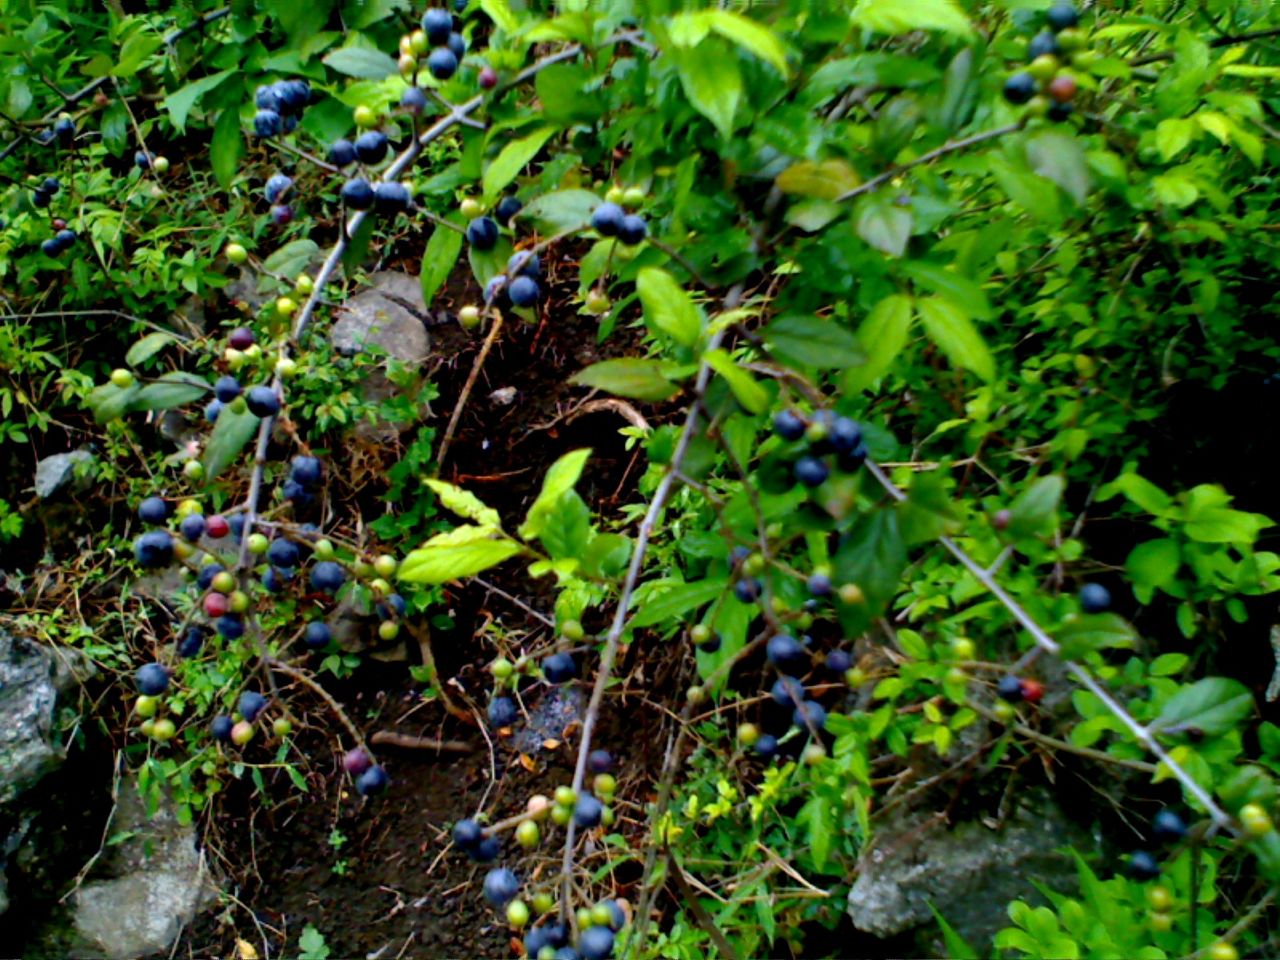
column 51, row 247
column 1059, row 112
column 216, row 526
column 283, row 553
column 1095, row 598
column 500, row 886
column 788, row 425
column 748, row 589
column 64, row 238
column 65, row 130
column 523, row 291
column 1020, row 88
column 192, row 527
column 587, row 811
column 442, row 63
column 391, row 198
column 372, row 782
column 845, row 435
column 317, row 635
column 328, row 576
column 212, row 409
column 262, row 401
column 810, row 715
column 1042, row 44
column 838, row 661
column 787, row 692
column 632, row 230
column 371, row 146
column 153, row 510
column 559, row 668
column 356, row 761
column 275, row 579
column 488, row 78
column 457, row 45
column 226, row 389
column 357, row 194
column 786, row 654
column 1062, row 16
column 267, row 97
column 413, row 100
column 599, row 761
column 267, row 123
column 482, row 233
column 502, row 712
column 142, row 159
column 767, row 746
column 467, row 833
column 1168, row 827
column 293, row 95
column 220, row 727
column 595, row 943
column 524, row 263
column 241, row 338
column 486, row 851
column 437, row 24
column 507, row 208
column 41, row 198
column 819, row 585
column 230, row 627
column 153, row 549
column 607, row 219
column 152, row 680
column 51, row 185
column 251, row 704
column 282, row 214
column 342, row 153
column 1142, row 866
column 711, row 644
column 1009, row 689
column 393, row 607
column 204, row 580
column 191, row 642
column 277, row 186
column 811, row 471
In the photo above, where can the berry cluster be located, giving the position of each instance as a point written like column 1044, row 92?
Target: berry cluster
column 280, row 105
column 1046, row 87
column 42, row 198
column 438, row 35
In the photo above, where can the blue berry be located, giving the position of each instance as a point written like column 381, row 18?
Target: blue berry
column 1062, row 16
column 437, row 24
column 391, row 198
column 632, row 230
column 1168, row 827
column 524, row 263
column 500, row 886
column 293, row 95
column 275, row 579
column 267, row 123
column 607, row 219
column 1095, row 598
column 413, row 100
column 212, row 410
column 51, row 185
column 153, row 510
column 786, row 654
column 467, row 833
column 587, row 811
column 811, row 471
column 810, row 715
column 142, row 159
column 1009, row 689
column 251, row 704
column 599, row 761
column 507, row 208
column 486, row 851
column 595, row 943
column 278, row 184
column 559, row 668
column 51, row 247
column 282, row 214
column 192, row 527
column 1042, row 44
column 819, row 585
column 457, row 45
column 153, row 549
column 65, row 130
column 838, row 661
column 283, row 553
column 442, row 63
column 1020, row 88
column 748, row 589
column 394, row 606
column 152, row 679
column 845, row 435
column 342, row 153
column 1142, row 866
column 262, row 401
column 230, row 627
column 357, row 194
column 787, row 692
column 191, row 642
column 220, row 727
column 502, row 712
column 482, row 233
column 317, row 635
column 372, row 782
column 767, row 746
column 267, row 97
column 371, row 146
column 226, row 389
column 523, row 291
column 205, row 578
column 788, row 425
column 328, row 576
column 306, row 470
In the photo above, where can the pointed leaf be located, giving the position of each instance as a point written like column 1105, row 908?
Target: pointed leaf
column 712, row 81
column 628, row 377
column 1213, row 706
column 464, row 503
column 882, row 335
column 885, row 226
column 148, row 347
column 463, row 552
column 230, row 433
column 751, row 36
column 171, row 390
column 438, row 260
column 950, row 329
column 361, row 62
column 562, row 209
column 677, row 602
column 1060, row 158
column 515, row 156
column 560, row 477
column 667, row 307
column 292, row 259
column 753, row 397
column 814, row 341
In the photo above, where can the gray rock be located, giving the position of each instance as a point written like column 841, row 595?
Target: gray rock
column 31, row 678
column 159, row 883
column 57, row 471
column 387, row 316
column 969, row 872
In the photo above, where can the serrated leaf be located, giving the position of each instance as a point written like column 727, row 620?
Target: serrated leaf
column 148, row 347
column 885, row 225
column 515, row 156
column 438, row 260
column 464, row 503
column 949, row 328
column 230, row 433
column 630, row 377
column 1213, row 706
column 463, row 552
column 292, row 259
column 753, row 397
column 814, row 341
column 667, row 307
column 562, row 209
column 560, row 477
column 566, row 530
column 882, row 335
column 361, row 62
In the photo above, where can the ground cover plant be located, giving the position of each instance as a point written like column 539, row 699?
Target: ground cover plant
column 831, row 426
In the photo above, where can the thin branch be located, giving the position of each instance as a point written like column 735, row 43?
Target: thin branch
column 495, row 327
column 293, row 673
column 1228, row 41
column 950, row 147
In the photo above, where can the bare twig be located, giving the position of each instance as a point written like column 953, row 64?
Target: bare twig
column 408, row 742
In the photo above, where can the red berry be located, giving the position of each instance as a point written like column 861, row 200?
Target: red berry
column 1032, row 691
column 217, row 526
column 1001, row 519
column 241, row 338
column 1063, row 88
column 59, row 223
column 216, row 604
column 488, row 78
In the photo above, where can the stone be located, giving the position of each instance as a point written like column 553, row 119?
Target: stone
column 969, row 872
column 158, row 881
column 59, row 470
column 388, row 315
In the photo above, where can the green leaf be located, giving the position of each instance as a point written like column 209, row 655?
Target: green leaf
column 1213, row 706
column 148, row 347
column 1173, row 136
column 823, row 179
column 712, row 81
column 628, row 377
column 1081, row 633
column 292, row 259
column 180, row 102
column 814, row 341
column 1153, row 565
column 562, row 209
column 462, row 552
column 816, row 816
column 464, row 503
column 957, row 947
column 361, row 62
column 678, row 602
column 135, row 50
column 753, row 397
column 1060, row 158
column 358, row 14
column 515, row 156
column 560, row 477
column 897, row 17
column 884, row 225
column 753, row 37
column 1141, row 492
column 667, row 307
column 566, row 531
column 230, row 433
column 1035, row 509
column 882, row 335
column 312, row 944
column 1175, row 190
column 499, row 11
column 109, row 402
column 872, row 555
column 928, row 512
column 171, row 390
column 562, row 90
column 951, row 284
column 949, row 328
column 438, row 260
column 226, row 148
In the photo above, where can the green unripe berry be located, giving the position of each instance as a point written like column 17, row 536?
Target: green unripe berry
column 565, row 796
column 539, row 806
column 597, row 302
column 470, row 208
column 235, row 360
column 748, row 734
column 147, row 728
column 1255, row 820
column 615, row 194
column 122, row 378
column 1037, row 106
column 286, row 367
column 238, row 601
column 323, row 550
column 1043, row 67
column 188, row 506
column 281, row 727
column 604, row 786
column 528, row 834
column 572, row 631
column 1222, row 950
column 517, row 913
column 607, row 817
column 1159, row 898
column 962, row 648
column 469, row 317
column 385, row 565
column 695, row 695
column 223, row 582
column 365, row 117
column 146, row 706
column 855, row 676
column 258, row 544
column 601, row 915
column 362, row 569
column 286, row 306
column 851, row 594
column 543, row 902
column 193, row 470
column 1004, row 711
column 379, row 587
column 699, row 633
column 418, row 43
column 633, row 197
column 160, row 164
column 584, row 918
column 814, row 753
column 1160, row 922
column 1072, row 39
column 183, row 550
column 502, row 668
column 252, row 352
column 236, row 253
column 304, row 284
column 561, row 815
column 242, row 732
column 408, row 64
column 388, row 630
column 163, row 729
column 753, row 566
column 957, row 676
